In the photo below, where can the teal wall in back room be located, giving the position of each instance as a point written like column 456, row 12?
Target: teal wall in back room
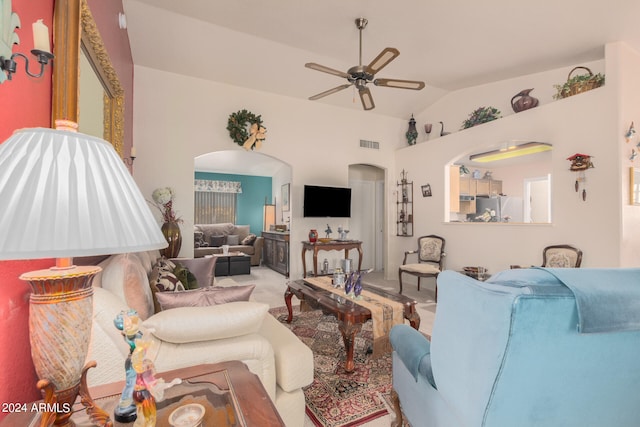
column 251, row 200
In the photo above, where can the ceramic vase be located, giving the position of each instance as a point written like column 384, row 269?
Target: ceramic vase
column 313, row 235
column 523, row 101
column 171, row 232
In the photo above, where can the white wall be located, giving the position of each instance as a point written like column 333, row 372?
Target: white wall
column 629, row 93
column 586, row 123
column 179, row 117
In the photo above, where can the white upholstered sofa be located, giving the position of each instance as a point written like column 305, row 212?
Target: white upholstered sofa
column 195, row 335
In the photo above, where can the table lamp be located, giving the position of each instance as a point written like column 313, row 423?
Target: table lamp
column 66, row 194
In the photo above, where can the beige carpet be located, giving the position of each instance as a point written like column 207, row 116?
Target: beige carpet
column 270, row 287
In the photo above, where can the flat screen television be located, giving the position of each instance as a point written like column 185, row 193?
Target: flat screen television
column 326, row 202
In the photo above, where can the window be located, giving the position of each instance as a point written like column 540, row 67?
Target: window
column 216, row 201
column 215, row 208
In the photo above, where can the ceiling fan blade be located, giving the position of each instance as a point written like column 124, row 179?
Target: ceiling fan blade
column 399, row 84
column 329, row 92
column 367, row 100
column 324, row 69
column 383, row 59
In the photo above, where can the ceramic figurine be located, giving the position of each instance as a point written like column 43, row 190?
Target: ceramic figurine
column 129, row 323
column 348, row 284
column 357, row 288
column 412, row 133
column 442, row 132
column 630, row 133
column 142, row 396
column 328, row 231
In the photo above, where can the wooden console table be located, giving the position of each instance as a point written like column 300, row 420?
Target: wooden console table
column 334, row 245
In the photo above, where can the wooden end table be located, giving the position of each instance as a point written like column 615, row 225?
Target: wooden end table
column 350, row 315
column 227, row 382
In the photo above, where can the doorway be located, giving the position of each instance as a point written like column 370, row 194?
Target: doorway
column 537, row 196
column 245, row 166
column 368, row 213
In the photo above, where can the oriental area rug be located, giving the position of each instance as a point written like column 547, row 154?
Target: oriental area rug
column 337, row 398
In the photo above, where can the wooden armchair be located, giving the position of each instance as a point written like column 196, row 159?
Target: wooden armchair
column 561, row 256
column 430, row 260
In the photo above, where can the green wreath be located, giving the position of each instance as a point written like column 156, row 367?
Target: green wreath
column 237, row 125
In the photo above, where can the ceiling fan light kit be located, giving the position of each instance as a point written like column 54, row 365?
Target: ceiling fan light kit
column 360, row 75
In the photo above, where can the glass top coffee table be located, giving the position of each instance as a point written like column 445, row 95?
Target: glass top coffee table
column 351, row 316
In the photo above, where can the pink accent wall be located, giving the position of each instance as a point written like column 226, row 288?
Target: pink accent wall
column 27, row 103
column 27, row 100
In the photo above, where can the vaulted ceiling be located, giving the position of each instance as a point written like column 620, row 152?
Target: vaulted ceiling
column 263, row 45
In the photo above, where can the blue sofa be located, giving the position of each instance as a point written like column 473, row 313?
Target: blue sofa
column 529, row 347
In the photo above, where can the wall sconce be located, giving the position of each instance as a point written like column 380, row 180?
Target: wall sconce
column 132, row 156
column 41, row 50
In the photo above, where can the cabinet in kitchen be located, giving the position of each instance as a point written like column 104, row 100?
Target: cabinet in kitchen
column 464, row 189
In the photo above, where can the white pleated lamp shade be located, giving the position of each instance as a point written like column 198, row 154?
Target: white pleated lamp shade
column 65, row 194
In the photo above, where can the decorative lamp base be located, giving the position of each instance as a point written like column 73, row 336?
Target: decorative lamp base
column 60, row 319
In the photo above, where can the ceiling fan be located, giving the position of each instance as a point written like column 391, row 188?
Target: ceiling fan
column 360, row 75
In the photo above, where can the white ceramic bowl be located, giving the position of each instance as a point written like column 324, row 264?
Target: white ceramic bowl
column 189, row 415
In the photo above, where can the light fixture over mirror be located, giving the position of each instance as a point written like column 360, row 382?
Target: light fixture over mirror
column 510, row 150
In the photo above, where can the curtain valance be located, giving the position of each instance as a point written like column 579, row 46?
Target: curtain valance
column 218, row 186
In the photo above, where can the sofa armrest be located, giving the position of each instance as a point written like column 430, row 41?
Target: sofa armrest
column 257, row 250
column 192, row 324
column 413, row 349
column 293, row 359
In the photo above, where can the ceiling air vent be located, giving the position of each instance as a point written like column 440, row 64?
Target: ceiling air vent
column 369, row 144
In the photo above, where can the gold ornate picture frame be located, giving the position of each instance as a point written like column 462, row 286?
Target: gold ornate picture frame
column 75, row 29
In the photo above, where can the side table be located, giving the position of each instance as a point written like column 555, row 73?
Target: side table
column 334, row 245
column 233, row 395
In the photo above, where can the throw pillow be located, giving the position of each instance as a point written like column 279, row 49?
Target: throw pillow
column 192, row 324
column 232, row 239
column 223, row 295
column 185, row 276
column 202, row 268
column 217, row 241
column 163, row 279
column 193, row 298
column 125, row 276
column 249, row 240
column 203, row 297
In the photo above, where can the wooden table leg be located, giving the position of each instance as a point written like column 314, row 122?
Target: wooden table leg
column 395, row 399
column 360, row 257
column 304, row 262
column 315, row 261
column 287, row 299
column 349, row 331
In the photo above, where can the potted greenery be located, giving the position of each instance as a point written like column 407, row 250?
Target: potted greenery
column 481, row 115
column 578, row 84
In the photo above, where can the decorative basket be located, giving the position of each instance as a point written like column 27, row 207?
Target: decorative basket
column 579, row 83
